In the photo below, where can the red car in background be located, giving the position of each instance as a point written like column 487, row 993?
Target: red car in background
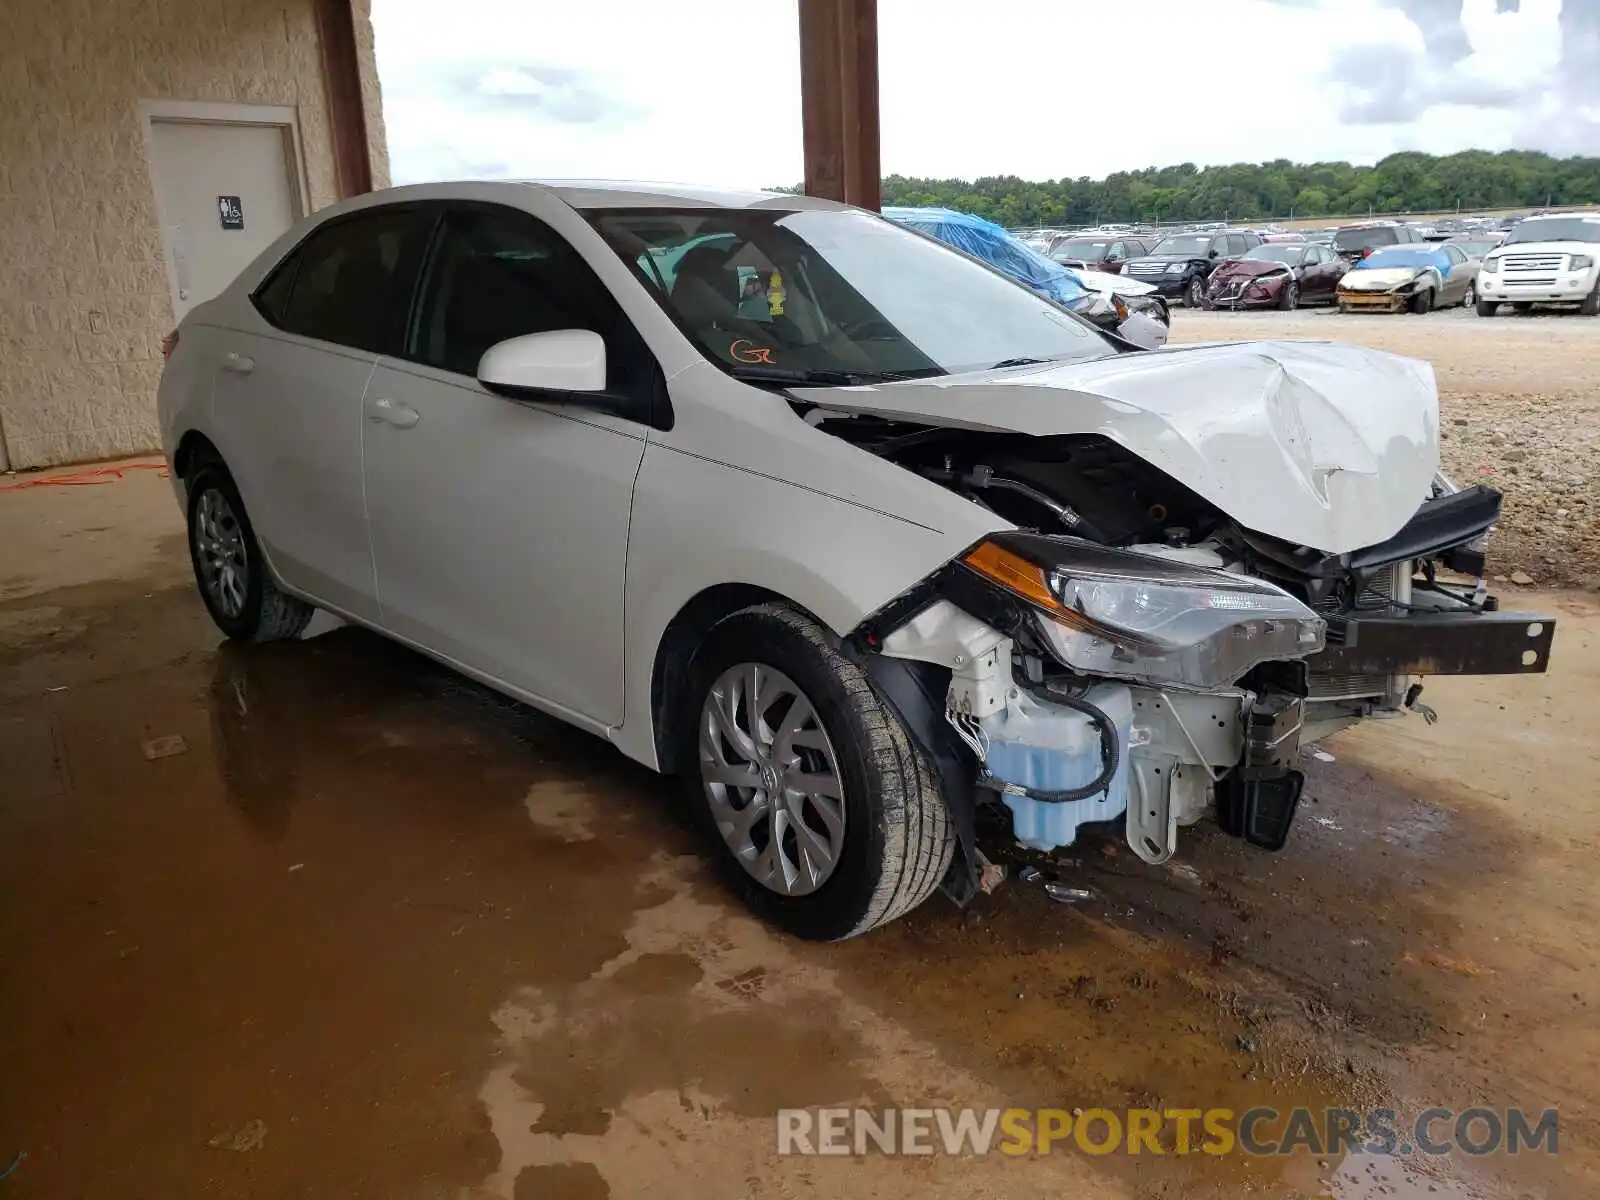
column 1099, row 253
column 1285, row 275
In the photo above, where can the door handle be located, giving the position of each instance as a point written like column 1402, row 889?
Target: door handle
column 401, row 416
column 239, row 364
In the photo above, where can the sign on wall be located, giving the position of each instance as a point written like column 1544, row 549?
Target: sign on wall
column 231, row 211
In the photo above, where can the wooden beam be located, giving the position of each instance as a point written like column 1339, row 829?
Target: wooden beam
column 839, row 100
column 341, row 79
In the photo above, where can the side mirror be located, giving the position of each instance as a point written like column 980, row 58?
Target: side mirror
column 562, row 360
column 1215, row 252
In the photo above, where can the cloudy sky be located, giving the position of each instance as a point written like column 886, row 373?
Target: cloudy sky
column 709, row 90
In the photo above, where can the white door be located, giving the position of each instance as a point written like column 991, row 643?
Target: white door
column 500, row 528
column 225, row 194
column 287, row 399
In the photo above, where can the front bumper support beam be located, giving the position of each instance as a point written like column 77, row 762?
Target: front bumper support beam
column 1482, row 643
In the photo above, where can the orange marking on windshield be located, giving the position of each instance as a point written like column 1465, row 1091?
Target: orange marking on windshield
column 745, row 351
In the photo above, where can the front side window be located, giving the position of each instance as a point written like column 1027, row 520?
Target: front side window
column 766, row 292
column 500, row 273
column 348, row 283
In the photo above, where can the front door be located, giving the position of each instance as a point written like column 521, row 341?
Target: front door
column 225, row 194
column 500, row 527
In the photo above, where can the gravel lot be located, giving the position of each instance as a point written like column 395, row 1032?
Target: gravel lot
column 1520, row 412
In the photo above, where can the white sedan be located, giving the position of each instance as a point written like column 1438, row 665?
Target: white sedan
column 843, row 528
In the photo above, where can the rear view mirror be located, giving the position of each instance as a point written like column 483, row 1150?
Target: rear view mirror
column 561, row 360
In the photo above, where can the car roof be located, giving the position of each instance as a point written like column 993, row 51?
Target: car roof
column 615, row 193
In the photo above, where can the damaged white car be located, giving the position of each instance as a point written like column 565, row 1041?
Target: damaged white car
column 843, row 528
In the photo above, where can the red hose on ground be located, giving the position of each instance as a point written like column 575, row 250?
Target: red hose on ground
column 82, row 478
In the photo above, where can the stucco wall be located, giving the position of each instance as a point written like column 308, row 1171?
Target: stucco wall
column 85, row 298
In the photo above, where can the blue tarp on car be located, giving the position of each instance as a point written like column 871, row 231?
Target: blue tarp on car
column 987, row 241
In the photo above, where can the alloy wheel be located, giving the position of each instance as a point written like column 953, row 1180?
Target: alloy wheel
column 771, row 779
column 220, row 553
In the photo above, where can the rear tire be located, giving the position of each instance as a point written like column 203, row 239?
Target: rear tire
column 816, row 882
column 229, row 568
column 1469, row 297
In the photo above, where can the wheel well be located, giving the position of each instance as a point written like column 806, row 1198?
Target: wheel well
column 682, row 638
column 193, row 447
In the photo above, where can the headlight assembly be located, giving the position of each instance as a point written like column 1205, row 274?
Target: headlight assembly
column 1133, row 616
column 1490, row 266
column 1581, row 262
column 1177, row 268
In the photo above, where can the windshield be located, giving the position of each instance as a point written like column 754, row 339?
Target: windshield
column 786, row 293
column 1289, row 254
column 1193, row 245
column 1087, row 251
column 1400, row 256
column 1360, row 239
column 1555, row 229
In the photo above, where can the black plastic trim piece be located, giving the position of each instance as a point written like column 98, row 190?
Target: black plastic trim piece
column 1441, row 523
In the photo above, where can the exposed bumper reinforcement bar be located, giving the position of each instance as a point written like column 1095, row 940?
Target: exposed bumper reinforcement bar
column 1488, row 643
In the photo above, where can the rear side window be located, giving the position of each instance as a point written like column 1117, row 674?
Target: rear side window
column 350, row 282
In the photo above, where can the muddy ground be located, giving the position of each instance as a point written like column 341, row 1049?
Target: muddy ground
column 1520, row 411
column 323, row 920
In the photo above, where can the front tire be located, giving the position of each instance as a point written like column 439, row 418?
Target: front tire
column 1487, row 308
column 1422, row 303
column 825, row 817
column 1289, row 298
column 1591, row 303
column 1194, row 295
column 229, row 568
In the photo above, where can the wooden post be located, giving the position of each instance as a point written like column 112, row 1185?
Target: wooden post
column 839, row 100
column 341, row 78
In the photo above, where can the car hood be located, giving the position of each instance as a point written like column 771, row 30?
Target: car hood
column 1320, row 444
column 1246, row 268
column 1379, row 279
column 1165, row 258
column 1589, row 248
column 1105, row 281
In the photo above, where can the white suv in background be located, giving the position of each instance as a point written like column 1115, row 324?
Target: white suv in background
column 1545, row 260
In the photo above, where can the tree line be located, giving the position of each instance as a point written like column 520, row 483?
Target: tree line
column 1405, row 182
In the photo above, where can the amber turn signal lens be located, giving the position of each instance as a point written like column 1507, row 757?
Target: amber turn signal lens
column 1023, row 578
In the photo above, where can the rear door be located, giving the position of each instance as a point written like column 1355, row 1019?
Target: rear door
column 288, row 398
column 500, row 527
column 1462, row 272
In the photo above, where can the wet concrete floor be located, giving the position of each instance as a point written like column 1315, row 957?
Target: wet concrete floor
column 323, row 919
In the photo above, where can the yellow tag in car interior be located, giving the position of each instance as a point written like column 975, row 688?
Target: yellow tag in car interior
column 775, row 295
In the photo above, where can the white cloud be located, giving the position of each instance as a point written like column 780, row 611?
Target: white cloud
column 709, row 90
